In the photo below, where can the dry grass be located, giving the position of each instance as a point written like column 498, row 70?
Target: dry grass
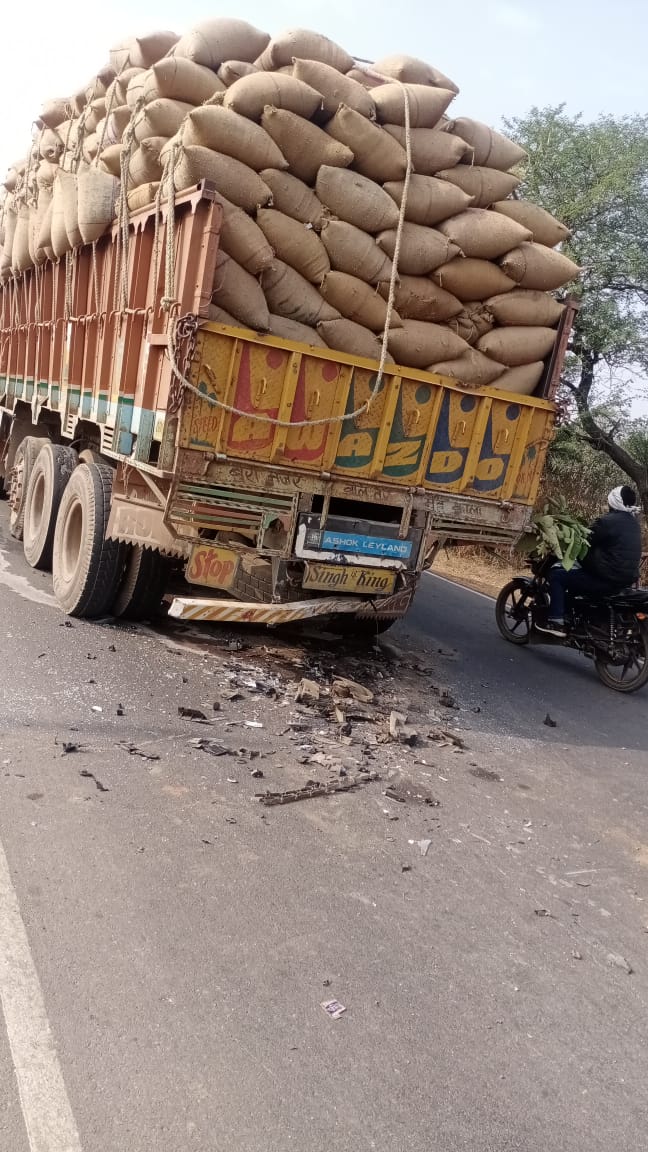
column 478, row 568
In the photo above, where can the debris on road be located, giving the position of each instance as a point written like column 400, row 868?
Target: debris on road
column 69, row 746
column 191, row 714
column 96, row 708
column 618, row 961
column 307, row 692
column 549, row 723
column 393, row 794
column 543, row 912
column 444, row 738
column 133, row 750
column 447, row 699
column 333, row 1008
column 211, row 746
column 485, row 774
column 343, row 689
column 314, row 788
column 91, row 776
column 423, row 846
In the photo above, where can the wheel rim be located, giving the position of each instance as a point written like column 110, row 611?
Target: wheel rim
column 16, row 487
column 624, row 674
column 72, row 538
column 37, row 504
column 515, row 614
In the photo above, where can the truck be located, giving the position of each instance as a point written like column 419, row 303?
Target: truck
column 149, row 452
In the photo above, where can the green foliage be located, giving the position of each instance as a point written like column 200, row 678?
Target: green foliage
column 557, row 532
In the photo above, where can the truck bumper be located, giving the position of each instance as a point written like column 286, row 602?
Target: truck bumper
column 238, row 612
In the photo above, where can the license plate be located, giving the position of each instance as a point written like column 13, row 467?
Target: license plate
column 336, row 578
column 214, row 567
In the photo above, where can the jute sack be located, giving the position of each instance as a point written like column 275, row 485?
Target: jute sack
column 357, row 301
column 479, row 233
column 250, row 94
column 409, row 70
column 427, row 105
column 50, row 145
column 362, row 77
column 90, row 148
column 242, row 239
column 232, row 70
column 535, row 266
column 305, row 146
column 518, row 345
column 94, row 115
column 418, row 344
column 355, row 252
column 485, row 185
column 10, row 181
column 544, row 227
column 491, row 148
column 142, row 197
column 161, row 118
column 42, row 225
column 419, row 298
column 471, row 368
column 69, row 188
column 335, row 88
column 472, row 322
column 301, row 43
column 525, row 306
column 213, row 41
column 111, row 130
column 110, row 159
column 352, row 339
column 46, row 174
column 142, row 51
column 355, row 199
column 20, row 256
column 523, row 380
column 470, row 279
column 422, row 249
column 289, row 295
column 220, row 316
column 295, row 244
column 54, row 112
column 377, row 155
column 293, row 198
column 236, row 181
column 431, row 149
column 58, row 233
column 240, row 294
column 117, row 93
column 10, row 220
column 145, row 164
column 179, row 79
column 428, row 200
column 299, row 333
column 97, row 203
column 225, row 131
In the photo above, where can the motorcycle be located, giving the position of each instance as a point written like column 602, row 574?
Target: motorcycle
column 612, row 630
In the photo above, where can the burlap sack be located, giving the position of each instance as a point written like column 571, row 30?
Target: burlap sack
column 352, row 340
column 142, row 51
column 491, row 148
column 432, row 150
column 535, row 266
column 429, row 200
column 517, row 345
column 94, row 115
column 242, row 239
column 64, row 188
column 54, row 112
column 544, row 227
column 302, row 44
column 335, row 88
column 234, row 180
column 225, row 131
column 485, row 185
column 409, row 70
column 20, row 255
column 471, row 368
column 362, row 76
column 50, row 145
column 110, row 160
column 240, row 294
column 523, row 380
column 97, row 203
column 111, row 130
column 292, row 197
column 161, row 118
column 525, row 306
column 422, row 249
column 117, row 93
column 45, row 174
column 297, row 333
column 472, row 322
column 305, row 146
column 213, row 41
column 145, row 164
column 427, row 104
column 418, row 344
column 232, row 70
column 419, row 298
column 357, row 301
column 355, row 199
column 250, row 94
column 295, row 244
column 479, row 233
column 220, row 316
column 289, row 295
column 377, row 155
column 177, row 78
column 470, row 279
column 355, row 252
column 142, row 197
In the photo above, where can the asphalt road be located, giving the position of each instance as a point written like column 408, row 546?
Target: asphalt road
column 183, row 939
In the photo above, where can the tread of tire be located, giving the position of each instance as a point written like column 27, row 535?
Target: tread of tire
column 31, row 446
column 64, row 462
column 105, row 555
column 142, row 586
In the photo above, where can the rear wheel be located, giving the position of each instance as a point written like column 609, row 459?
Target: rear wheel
column 630, row 674
column 18, row 481
column 86, row 566
column 513, row 611
column 143, row 584
column 48, row 481
column 362, row 628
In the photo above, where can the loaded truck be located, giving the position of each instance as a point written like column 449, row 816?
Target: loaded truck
column 139, row 441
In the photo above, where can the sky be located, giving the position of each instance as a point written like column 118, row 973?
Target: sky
column 505, row 55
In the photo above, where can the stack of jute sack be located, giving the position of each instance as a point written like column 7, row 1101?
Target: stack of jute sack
column 309, row 155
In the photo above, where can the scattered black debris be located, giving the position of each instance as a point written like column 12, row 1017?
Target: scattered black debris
column 216, row 706
column 66, row 624
column 618, row 961
column 314, row 788
column 486, row 774
column 213, row 747
column 447, row 699
column 406, row 867
column 577, row 955
column 404, row 792
column 91, row 776
column 443, row 737
column 230, row 820
column 35, row 795
column 69, row 746
column 543, row 912
column 90, row 656
column 121, row 710
column 326, row 983
column 191, row 713
column 206, row 841
column 111, row 648
column 549, row 722
column 133, row 750
column 333, row 1008
column 234, row 697
column 307, row 692
column 393, row 794
column 343, row 689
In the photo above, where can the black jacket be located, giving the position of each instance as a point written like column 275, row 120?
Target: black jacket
column 615, row 549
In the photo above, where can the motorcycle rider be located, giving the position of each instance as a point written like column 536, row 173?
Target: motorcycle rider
column 611, row 564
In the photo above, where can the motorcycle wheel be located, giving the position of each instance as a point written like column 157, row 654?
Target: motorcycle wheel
column 513, row 611
column 632, row 675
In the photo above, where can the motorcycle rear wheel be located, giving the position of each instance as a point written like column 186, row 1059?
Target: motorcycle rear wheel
column 513, row 611
column 628, row 677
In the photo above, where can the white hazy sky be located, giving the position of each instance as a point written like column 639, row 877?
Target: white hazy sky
column 505, row 55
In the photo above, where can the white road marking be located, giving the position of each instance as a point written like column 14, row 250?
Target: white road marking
column 21, row 585
column 456, row 584
column 44, row 1101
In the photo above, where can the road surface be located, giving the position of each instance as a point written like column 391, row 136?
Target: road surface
column 166, row 943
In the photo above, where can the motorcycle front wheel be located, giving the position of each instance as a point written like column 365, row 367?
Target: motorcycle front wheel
column 630, row 675
column 513, row 611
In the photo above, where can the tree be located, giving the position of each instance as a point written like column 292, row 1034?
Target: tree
column 594, row 177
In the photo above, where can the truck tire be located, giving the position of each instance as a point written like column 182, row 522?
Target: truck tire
column 47, row 483
column 143, row 584
column 18, row 481
column 362, row 628
column 86, row 566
